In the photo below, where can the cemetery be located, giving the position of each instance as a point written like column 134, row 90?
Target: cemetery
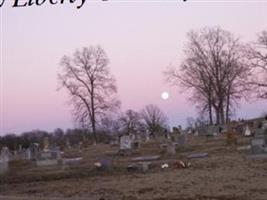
column 182, row 166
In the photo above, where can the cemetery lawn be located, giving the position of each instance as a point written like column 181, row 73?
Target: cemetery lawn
column 226, row 174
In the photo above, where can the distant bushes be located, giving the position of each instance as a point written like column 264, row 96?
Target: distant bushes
column 58, row 137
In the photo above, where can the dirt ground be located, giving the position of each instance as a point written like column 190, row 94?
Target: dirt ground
column 226, row 174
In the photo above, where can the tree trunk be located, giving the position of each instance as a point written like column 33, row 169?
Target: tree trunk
column 93, row 115
column 227, row 106
column 222, row 113
column 210, row 105
column 217, row 115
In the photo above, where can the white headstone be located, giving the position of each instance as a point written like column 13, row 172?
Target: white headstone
column 28, row 154
column 196, row 133
column 125, row 142
column 247, row 131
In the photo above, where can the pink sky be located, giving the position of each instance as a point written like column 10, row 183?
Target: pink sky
column 141, row 38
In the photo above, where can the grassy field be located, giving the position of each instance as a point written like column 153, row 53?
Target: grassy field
column 226, row 174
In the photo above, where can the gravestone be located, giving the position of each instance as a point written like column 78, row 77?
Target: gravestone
column 48, row 157
column 46, row 144
column 139, row 166
column 34, row 148
column 264, row 125
column 20, row 148
column 247, row 131
column 28, row 154
column 212, row 130
column 259, row 132
column 125, row 143
column 197, row 155
column 4, row 160
column 196, row 133
column 182, row 140
column 5, row 154
column 257, row 145
column 171, row 150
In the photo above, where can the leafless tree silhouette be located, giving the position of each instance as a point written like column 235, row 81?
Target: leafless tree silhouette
column 91, row 87
column 258, row 58
column 154, row 119
column 131, row 122
column 215, row 70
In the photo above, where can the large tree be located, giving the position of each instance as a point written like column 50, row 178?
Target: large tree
column 215, row 70
column 258, row 58
column 154, row 119
column 90, row 85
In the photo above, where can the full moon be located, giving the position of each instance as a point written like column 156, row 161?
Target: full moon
column 165, row 95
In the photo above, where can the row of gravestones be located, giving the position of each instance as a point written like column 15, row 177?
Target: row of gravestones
column 209, row 130
column 131, row 142
column 215, row 130
column 41, row 158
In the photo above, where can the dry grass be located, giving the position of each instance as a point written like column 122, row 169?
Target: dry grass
column 226, row 174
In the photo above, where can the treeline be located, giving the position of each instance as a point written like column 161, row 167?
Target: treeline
column 150, row 120
column 59, row 138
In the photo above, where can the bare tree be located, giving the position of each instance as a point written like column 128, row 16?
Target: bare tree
column 215, row 70
column 258, row 57
column 91, row 87
column 110, row 124
column 131, row 122
column 154, row 119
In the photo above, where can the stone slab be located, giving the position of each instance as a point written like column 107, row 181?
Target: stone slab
column 197, row 155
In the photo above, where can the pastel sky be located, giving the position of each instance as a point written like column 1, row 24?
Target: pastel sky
column 141, row 38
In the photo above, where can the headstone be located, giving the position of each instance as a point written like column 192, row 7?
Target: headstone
column 5, row 154
column 171, row 149
column 72, row 161
column 182, row 140
column 34, row 148
column 259, row 132
column 247, row 131
column 4, row 160
column 132, row 136
column 145, row 158
column 139, row 166
column 213, row 130
column 196, row 133
column 197, row 155
column 46, row 144
column 48, row 157
column 125, row 143
column 257, row 145
column 264, row 125
column 28, row 154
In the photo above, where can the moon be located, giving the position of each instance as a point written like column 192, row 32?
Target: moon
column 165, row 95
